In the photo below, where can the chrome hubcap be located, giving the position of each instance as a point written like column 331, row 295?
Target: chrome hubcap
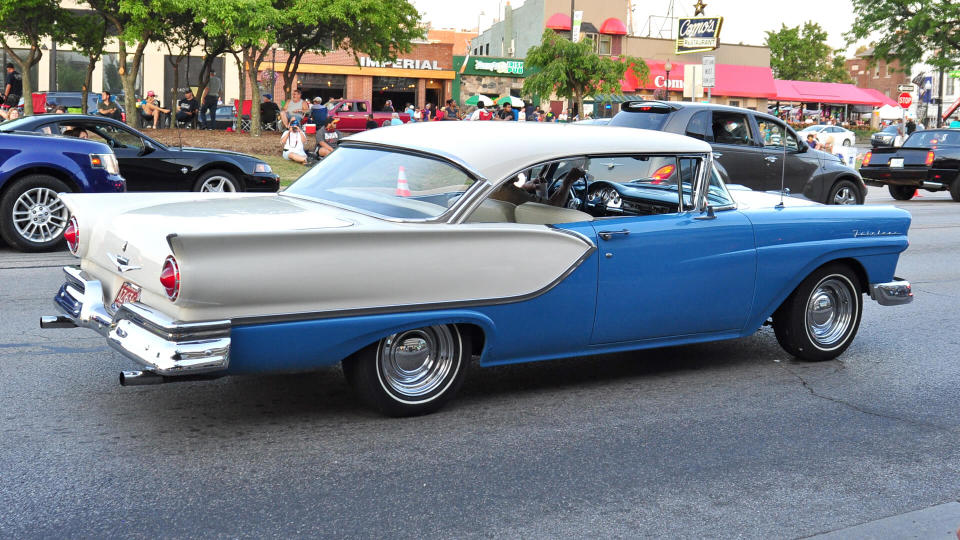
column 414, row 363
column 831, row 311
column 39, row 215
column 218, row 184
column 845, row 195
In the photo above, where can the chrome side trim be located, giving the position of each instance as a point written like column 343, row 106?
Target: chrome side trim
column 893, row 293
column 146, row 336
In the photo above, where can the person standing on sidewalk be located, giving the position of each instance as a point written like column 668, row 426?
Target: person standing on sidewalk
column 14, row 87
column 211, row 95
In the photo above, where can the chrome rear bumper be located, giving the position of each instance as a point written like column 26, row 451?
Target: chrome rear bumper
column 148, row 337
column 893, row 293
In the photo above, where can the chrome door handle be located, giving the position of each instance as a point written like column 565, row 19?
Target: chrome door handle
column 607, row 235
column 771, row 159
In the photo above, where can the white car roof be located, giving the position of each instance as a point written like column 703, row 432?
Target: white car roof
column 498, row 149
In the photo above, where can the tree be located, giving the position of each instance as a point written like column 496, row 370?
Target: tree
column 88, row 35
column 373, row 27
column 910, row 31
column 182, row 35
column 137, row 22
column 573, row 70
column 802, row 54
column 29, row 22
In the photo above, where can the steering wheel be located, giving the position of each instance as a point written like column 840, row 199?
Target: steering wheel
column 580, row 183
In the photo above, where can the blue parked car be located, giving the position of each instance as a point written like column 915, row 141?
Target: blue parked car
column 34, row 168
column 409, row 251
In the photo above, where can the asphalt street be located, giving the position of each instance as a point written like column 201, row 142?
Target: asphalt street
column 731, row 439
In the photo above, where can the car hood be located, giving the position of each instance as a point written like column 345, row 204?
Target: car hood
column 212, row 151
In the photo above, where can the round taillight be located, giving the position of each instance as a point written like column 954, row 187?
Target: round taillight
column 170, row 278
column 72, row 235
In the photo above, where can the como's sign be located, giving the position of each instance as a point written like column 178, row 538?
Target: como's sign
column 698, row 34
column 514, row 67
column 401, row 63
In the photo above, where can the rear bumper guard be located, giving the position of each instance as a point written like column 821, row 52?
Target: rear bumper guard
column 893, row 293
column 164, row 346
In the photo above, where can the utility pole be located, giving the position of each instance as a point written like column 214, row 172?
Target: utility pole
column 571, row 19
column 940, row 101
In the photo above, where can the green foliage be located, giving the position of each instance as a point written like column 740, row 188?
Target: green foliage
column 87, row 32
column 910, row 31
column 29, row 22
column 802, row 54
column 572, row 70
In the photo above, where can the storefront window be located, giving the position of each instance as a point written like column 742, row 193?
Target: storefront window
column 605, row 45
column 71, row 71
column 399, row 90
column 185, row 75
column 325, row 86
column 111, row 79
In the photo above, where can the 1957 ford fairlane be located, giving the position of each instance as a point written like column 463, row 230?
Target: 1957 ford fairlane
column 413, row 248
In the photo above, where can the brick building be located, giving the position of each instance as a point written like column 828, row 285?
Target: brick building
column 881, row 76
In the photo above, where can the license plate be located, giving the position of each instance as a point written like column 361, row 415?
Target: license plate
column 896, row 162
column 127, row 293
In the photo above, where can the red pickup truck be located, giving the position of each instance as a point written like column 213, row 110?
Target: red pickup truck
column 353, row 115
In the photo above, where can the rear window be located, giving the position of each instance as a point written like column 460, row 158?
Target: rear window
column 642, row 115
column 931, row 139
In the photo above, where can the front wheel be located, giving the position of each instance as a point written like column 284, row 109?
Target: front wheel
column 819, row 320
column 845, row 192
column 218, row 181
column 901, row 193
column 955, row 190
column 32, row 216
column 412, row 372
column 846, row 142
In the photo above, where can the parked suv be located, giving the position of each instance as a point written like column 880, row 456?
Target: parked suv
column 33, row 169
column 754, row 148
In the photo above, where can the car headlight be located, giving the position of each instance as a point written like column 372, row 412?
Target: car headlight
column 261, row 168
column 107, row 162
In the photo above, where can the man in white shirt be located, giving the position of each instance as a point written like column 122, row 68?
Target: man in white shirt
column 292, row 141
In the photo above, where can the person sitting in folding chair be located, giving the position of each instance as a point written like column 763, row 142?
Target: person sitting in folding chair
column 187, row 108
column 150, row 108
column 269, row 113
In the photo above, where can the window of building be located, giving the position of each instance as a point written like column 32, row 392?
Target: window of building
column 876, row 72
column 951, row 86
column 734, row 103
column 111, row 79
column 889, row 71
column 605, row 45
column 487, row 50
column 399, row 90
column 71, row 72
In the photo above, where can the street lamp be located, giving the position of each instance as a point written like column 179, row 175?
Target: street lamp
column 667, row 67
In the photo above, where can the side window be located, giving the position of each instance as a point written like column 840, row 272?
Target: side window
column 776, row 134
column 361, row 106
column 124, row 138
column 698, row 127
column 731, row 128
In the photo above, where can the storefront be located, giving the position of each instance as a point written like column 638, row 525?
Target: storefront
column 424, row 75
column 491, row 76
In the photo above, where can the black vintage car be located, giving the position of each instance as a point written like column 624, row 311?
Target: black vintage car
column 754, row 148
column 928, row 159
column 149, row 165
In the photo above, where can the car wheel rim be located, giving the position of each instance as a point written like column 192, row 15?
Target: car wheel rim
column 845, row 195
column 39, row 215
column 831, row 310
column 218, row 184
column 415, row 363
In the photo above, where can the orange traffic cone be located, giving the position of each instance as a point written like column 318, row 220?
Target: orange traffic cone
column 403, row 189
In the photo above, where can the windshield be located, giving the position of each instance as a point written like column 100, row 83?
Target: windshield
column 16, row 124
column 931, row 139
column 392, row 184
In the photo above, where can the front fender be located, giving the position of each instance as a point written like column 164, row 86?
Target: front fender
column 70, row 165
column 309, row 344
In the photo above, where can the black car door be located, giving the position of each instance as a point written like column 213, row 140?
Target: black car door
column 786, row 158
column 145, row 165
column 735, row 147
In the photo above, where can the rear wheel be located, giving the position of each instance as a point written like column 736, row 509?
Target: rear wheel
column 32, row 216
column 218, row 181
column 845, row 192
column 846, row 142
column 904, row 193
column 412, row 372
column 955, row 190
column 819, row 320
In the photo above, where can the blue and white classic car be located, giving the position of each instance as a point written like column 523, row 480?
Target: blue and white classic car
column 412, row 249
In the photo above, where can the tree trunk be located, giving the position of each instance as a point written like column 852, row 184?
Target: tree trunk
column 87, row 81
column 242, row 75
column 252, row 58
column 33, row 57
column 129, row 80
column 288, row 73
column 579, row 97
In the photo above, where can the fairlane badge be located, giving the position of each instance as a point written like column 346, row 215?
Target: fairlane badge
column 857, row 233
column 122, row 263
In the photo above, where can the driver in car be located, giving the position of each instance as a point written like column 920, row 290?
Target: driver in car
column 529, row 190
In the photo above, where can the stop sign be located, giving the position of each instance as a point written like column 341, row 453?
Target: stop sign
column 905, row 100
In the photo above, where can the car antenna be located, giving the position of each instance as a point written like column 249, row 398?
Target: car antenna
column 176, row 125
column 783, row 165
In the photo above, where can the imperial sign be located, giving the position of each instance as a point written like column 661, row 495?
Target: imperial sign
column 698, row 34
column 401, row 63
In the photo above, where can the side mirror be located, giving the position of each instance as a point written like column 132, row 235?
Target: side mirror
column 147, row 147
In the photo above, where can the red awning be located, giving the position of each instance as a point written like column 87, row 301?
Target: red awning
column 833, row 93
column 734, row 81
column 613, row 26
column 559, row 21
column 883, row 98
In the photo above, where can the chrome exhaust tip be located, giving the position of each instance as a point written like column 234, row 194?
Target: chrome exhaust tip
column 57, row 321
column 933, row 185
column 140, row 378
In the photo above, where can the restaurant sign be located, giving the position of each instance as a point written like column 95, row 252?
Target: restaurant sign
column 698, row 34
column 400, row 63
column 503, row 67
